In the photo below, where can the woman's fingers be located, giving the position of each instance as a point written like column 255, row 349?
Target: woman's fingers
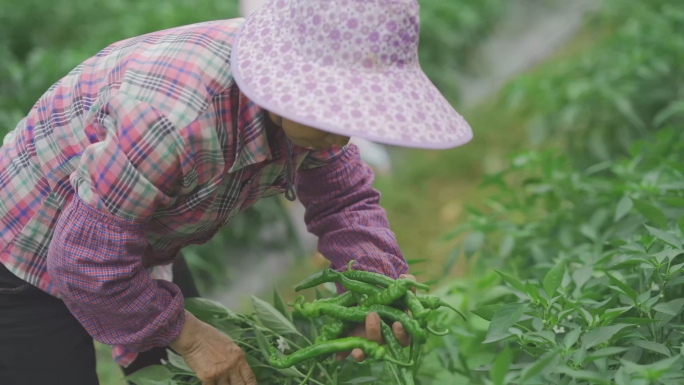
column 357, row 355
column 373, row 331
column 400, row 333
column 235, row 379
column 247, row 375
column 358, row 331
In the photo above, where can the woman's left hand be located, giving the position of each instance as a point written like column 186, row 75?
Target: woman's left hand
column 371, row 331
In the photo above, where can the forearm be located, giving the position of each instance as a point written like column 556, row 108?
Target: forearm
column 342, row 209
column 95, row 261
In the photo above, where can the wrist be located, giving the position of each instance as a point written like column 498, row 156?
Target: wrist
column 186, row 339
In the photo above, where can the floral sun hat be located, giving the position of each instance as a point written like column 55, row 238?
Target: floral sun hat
column 348, row 67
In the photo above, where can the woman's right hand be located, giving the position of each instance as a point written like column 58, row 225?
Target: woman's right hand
column 213, row 356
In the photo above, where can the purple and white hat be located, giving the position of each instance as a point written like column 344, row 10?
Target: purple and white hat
column 348, row 67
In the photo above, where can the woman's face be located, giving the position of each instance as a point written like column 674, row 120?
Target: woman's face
column 305, row 136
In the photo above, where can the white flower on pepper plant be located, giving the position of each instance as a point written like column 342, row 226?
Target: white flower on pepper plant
column 559, row 329
column 569, row 317
column 655, row 286
column 282, row 344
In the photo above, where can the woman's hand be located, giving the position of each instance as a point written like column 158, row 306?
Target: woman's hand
column 213, row 356
column 372, row 332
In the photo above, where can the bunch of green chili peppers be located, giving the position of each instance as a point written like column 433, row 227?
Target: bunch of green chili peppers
column 366, row 292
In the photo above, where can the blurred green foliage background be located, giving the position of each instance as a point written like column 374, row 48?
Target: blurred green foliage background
column 576, row 117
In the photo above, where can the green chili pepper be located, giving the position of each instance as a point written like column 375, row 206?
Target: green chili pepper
column 331, row 331
column 370, row 349
column 357, row 286
column 386, row 297
column 379, row 279
column 433, row 331
column 393, row 344
column 415, row 306
column 397, row 351
column 434, row 303
column 417, row 347
column 411, row 326
column 345, row 299
column 357, row 314
column 329, row 275
column 320, row 278
column 358, row 297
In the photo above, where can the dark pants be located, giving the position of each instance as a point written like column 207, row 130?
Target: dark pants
column 42, row 343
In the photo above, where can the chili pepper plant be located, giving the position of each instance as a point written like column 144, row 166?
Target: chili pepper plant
column 580, row 274
column 297, row 347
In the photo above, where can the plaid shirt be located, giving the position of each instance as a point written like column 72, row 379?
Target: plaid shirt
column 145, row 148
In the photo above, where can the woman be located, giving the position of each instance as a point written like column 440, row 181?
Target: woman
column 157, row 141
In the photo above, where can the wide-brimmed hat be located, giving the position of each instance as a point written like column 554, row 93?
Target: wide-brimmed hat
column 348, row 67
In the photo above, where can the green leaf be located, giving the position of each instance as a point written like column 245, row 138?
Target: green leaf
column 628, row 291
column 667, row 364
column 666, row 237
column 506, row 246
column 582, row 275
column 673, row 307
column 554, row 278
column 544, row 335
column 587, row 316
column 673, row 109
column 673, row 201
column 625, row 106
column 152, row 375
column 206, row 309
column 594, row 377
column 668, row 254
column 178, row 361
column 412, row 262
column 653, row 346
column 500, row 366
column 611, row 314
column 487, row 312
column 650, row 302
column 540, row 365
column 512, row 281
column 680, row 223
column 503, row 320
column 262, row 343
column 473, row 243
column 651, row 213
column 451, row 261
column 600, row 335
column 637, row 321
column 623, row 207
column 279, row 304
column 571, row 338
column 361, row 380
column 622, row 377
column 272, row 319
column 655, row 369
column 606, row 352
column 533, row 292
